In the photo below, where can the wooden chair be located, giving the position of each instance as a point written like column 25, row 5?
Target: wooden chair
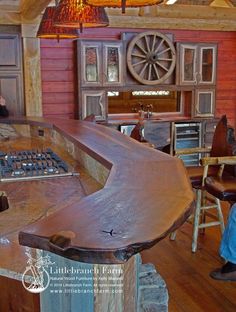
column 222, row 186
column 198, row 174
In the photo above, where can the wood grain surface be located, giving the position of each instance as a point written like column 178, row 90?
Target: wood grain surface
column 146, row 196
column 30, row 201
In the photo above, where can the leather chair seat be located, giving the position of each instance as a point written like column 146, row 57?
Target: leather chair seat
column 222, row 188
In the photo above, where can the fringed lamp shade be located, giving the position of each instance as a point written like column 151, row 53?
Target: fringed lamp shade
column 123, row 3
column 77, row 14
column 48, row 31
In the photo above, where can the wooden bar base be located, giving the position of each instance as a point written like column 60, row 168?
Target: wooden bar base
column 90, row 287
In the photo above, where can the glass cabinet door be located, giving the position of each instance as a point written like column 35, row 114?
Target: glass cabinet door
column 204, row 103
column 112, row 66
column 91, row 64
column 188, row 55
column 189, row 65
column 197, row 64
column 207, row 65
column 101, row 63
column 94, row 102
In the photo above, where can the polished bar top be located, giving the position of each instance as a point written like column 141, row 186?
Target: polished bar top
column 146, row 196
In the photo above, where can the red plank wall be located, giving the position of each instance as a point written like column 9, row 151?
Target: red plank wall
column 58, row 78
column 59, row 69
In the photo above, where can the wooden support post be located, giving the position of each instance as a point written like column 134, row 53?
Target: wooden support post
column 32, row 72
column 32, row 9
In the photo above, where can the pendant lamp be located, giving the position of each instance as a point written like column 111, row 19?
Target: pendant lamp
column 123, row 3
column 47, row 30
column 78, row 14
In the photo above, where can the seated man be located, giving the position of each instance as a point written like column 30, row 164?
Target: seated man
column 3, row 110
column 228, row 250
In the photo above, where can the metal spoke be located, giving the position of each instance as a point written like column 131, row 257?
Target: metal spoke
column 138, row 55
column 141, row 48
column 156, row 71
column 162, row 66
column 143, row 70
column 138, row 63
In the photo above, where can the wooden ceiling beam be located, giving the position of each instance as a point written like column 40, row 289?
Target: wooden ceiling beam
column 196, row 12
column 9, row 18
column 33, row 8
column 222, row 3
column 184, row 11
column 176, row 17
column 171, row 23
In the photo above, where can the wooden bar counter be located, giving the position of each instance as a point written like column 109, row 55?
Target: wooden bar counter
column 126, row 199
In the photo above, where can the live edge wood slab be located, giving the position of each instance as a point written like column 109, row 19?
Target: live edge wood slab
column 146, row 196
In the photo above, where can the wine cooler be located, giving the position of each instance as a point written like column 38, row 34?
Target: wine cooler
column 188, row 135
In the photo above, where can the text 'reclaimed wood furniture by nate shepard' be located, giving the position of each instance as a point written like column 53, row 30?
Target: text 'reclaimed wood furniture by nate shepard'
column 141, row 202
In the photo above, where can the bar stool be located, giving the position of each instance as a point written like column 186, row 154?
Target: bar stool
column 204, row 203
column 209, row 167
column 221, row 187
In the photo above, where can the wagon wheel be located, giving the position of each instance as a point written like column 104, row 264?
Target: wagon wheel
column 151, row 57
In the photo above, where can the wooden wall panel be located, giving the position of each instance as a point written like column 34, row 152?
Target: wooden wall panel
column 60, row 57
column 60, row 86
column 58, row 78
column 11, row 69
column 10, row 53
column 11, row 90
column 58, row 98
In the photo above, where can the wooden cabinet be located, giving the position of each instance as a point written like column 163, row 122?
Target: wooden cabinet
column 196, row 67
column 11, row 72
column 11, row 90
column 196, row 64
column 94, row 102
column 102, row 67
column 10, row 53
column 101, row 63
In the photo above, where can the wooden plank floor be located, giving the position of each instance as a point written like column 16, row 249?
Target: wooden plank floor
column 187, row 274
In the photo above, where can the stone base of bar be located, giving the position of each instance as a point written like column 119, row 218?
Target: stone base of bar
column 152, row 290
